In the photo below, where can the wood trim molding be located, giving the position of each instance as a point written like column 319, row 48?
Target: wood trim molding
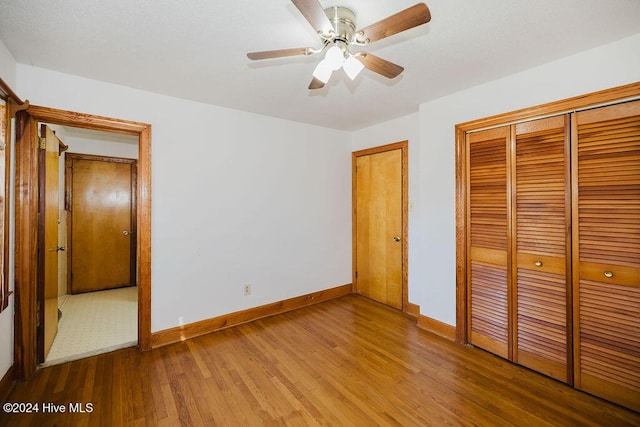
column 27, row 220
column 412, row 310
column 461, row 237
column 5, row 161
column 192, row 330
column 8, row 94
column 7, row 382
column 404, row 147
column 620, row 93
column 437, row 327
column 86, row 121
column 14, row 103
column 26, row 243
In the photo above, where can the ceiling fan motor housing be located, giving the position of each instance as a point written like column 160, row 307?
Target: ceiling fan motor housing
column 344, row 22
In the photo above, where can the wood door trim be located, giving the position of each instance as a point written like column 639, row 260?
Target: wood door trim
column 404, row 147
column 27, row 220
column 40, row 285
column 620, row 93
column 68, row 199
column 100, row 158
column 5, row 160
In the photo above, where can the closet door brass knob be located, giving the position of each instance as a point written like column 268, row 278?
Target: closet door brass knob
column 608, row 274
column 538, row 263
column 396, row 239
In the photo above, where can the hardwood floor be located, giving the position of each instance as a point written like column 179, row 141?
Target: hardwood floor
column 348, row 361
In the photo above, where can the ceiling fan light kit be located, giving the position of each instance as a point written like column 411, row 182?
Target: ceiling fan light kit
column 352, row 67
column 323, row 71
column 336, row 28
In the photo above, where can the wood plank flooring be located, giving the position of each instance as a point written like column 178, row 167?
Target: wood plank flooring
column 349, row 361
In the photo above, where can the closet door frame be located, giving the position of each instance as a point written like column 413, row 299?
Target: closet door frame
column 591, row 100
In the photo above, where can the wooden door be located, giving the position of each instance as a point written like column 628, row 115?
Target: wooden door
column 606, row 249
column 488, row 202
column 379, row 226
column 101, row 194
column 48, row 241
column 541, row 230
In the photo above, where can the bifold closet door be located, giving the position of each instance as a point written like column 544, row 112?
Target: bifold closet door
column 541, row 229
column 606, row 245
column 487, row 242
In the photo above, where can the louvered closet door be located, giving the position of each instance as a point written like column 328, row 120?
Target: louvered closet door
column 487, row 285
column 606, row 246
column 542, row 237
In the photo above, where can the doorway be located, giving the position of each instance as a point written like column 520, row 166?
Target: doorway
column 380, row 224
column 27, row 188
column 94, row 218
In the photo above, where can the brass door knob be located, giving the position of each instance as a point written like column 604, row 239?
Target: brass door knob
column 396, row 239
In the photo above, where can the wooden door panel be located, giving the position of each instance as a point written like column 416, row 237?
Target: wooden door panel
column 49, row 211
column 488, row 277
column 610, row 341
column 378, row 222
column 489, row 308
column 101, row 228
column 541, row 169
column 607, row 252
column 542, row 322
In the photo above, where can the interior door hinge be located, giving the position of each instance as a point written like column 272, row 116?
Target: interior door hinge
column 42, row 143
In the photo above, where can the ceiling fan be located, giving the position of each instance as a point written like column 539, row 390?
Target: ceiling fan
column 336, row 27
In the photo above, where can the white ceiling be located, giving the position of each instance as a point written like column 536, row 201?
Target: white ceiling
column 195, row 49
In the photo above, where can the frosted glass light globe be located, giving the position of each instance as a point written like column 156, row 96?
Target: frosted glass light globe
column 352, row 67
column 335, row 57
column 323, row 71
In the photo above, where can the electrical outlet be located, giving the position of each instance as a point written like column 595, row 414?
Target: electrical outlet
column 247, row 290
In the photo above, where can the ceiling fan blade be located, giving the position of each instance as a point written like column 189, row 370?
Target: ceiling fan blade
column 379, row 65
column 412, row 17
column 314, row 13
column 316, row 84
column 278, row 53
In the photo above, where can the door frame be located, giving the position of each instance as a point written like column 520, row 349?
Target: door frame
column 407, row 307
column 26, row 215
column 68, row 197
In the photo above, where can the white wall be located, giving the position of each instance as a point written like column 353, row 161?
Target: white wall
column 102, row 146
column 8, row 74
column 432, row 225
column 7, row 66
column 237, row 198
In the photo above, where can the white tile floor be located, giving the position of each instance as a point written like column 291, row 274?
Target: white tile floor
column 94, row 323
